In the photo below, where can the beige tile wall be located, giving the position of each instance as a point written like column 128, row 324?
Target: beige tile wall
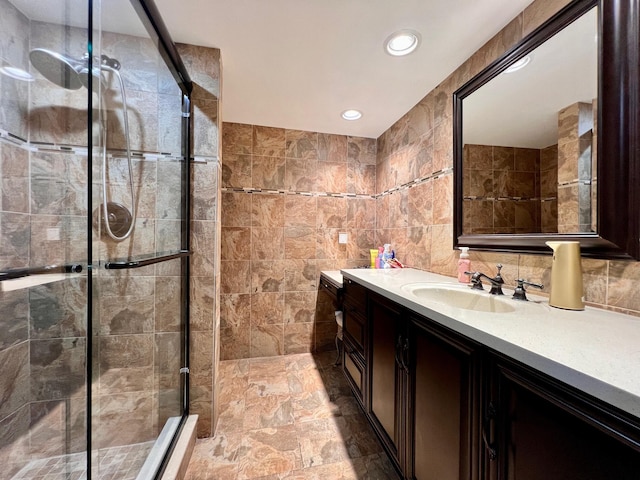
column 287, row 194
column 204, row 66
column 419, row 145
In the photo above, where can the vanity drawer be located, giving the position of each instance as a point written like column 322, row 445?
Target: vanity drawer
column 355, row 294
column 353, row 370
column 329, row 287
column 354, row 326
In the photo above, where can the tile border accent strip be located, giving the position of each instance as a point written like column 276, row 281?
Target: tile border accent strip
column 399, row 188
column 10, row 139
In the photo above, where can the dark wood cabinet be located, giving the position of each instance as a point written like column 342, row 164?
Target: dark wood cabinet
column 443, row 403
column 449, row 408
column 386, row 379
column 541, row 429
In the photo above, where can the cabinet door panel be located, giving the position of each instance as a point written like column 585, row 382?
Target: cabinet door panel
column 544, row 437
column 438, row 381
column 384, row 375
column 444, row 397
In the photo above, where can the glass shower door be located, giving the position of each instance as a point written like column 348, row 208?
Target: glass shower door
column 139, row 245
column 43, row 240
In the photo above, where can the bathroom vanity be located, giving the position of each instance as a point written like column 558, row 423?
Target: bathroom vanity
column 498, row 389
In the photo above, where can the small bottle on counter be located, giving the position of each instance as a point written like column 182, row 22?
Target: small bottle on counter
column 464, row 265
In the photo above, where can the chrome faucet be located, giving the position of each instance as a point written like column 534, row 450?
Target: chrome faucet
column 496, row 282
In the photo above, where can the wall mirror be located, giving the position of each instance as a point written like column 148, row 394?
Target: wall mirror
column 546, row 138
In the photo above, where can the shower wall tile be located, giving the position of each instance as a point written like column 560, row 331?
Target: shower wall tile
column 48, row 429
column 168, row 201
column 58, row 184
column 138, row 58
column 203, row 65
column 170, row 123
column 14, row 173
column 14, row 442
column 14, row 46
column 204, row 191
column 167, row 361
column 14, row 321
column 14, row 379
column 14, row 238
column 124, row 419
column 142, row 115
column 168, row 303
column 205, row 133
column 58, row 310
column 57, row 368
column 126, row 363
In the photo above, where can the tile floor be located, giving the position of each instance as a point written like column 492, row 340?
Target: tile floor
column 288, row 418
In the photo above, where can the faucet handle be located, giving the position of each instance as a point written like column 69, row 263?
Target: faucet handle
column 520, row 293
column 476, row 280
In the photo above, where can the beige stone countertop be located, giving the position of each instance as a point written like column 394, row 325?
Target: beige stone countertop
column 594, row 350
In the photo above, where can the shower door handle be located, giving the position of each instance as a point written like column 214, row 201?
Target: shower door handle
column 143, row 262
column 45, row 270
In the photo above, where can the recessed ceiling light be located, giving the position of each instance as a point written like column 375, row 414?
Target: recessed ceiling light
column 402, row 42
column 352, row 114
column 517, row 65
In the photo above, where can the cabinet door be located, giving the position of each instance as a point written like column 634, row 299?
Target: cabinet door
column 385, row 382
column 546, row 431
column 443, row 426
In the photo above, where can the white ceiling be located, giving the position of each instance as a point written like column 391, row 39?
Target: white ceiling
column 299, row 63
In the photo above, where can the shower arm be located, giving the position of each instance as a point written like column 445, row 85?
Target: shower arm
column 113, row 66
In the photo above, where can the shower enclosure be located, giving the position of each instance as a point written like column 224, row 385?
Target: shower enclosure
column 94, row 240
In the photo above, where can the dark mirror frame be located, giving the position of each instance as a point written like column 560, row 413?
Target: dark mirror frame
column 618, row 148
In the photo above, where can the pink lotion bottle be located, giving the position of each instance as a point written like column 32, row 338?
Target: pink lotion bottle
column 464, row 265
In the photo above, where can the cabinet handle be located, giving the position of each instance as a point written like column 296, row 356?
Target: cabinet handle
column 405, row 355
column 491, row 450
column 399, row 352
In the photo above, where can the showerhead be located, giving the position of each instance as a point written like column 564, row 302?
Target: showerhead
column 66, row 72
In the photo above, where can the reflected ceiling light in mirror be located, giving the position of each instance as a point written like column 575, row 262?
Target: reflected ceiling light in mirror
column 8, row 70
column 352, row 114
column 402, row 42
column 518, row 65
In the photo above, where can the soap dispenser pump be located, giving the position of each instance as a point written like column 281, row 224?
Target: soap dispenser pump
column 566, row 276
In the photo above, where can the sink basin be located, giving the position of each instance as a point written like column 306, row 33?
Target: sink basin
column 460, row 297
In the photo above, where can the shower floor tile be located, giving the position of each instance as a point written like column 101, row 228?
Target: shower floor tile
column 288, row 418
column 115, row 463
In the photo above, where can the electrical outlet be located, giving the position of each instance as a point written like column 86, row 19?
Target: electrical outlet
column 342, row 237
